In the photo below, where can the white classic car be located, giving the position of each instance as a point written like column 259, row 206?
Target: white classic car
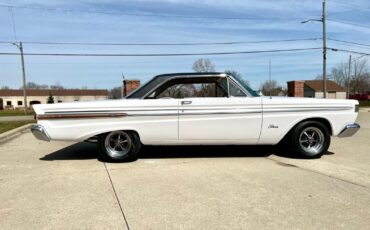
column 197, row 109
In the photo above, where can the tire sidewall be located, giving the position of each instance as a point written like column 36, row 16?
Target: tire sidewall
column 130, row 156
column 294, row 139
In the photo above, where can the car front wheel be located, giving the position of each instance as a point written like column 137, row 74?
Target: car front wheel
column 119, row 146
column 310, row 139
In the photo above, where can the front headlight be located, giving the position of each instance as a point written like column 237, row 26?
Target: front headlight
column 357, row 108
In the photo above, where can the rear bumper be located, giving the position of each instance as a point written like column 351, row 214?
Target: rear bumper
column 39, row 132
column 349, row 130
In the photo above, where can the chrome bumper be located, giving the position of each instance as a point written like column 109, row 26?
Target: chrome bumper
column 39, row 132
column 349, row 130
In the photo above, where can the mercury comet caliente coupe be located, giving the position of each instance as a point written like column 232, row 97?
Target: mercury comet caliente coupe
column 198, row 109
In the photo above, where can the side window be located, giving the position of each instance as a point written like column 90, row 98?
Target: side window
column 235, row 91
column 177, row 91
column 185, row 88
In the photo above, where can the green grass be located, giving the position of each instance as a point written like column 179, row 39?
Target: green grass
column 364, row 103
column 6, row 126
column 5, row 113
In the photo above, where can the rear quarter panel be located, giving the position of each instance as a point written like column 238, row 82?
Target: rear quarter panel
column 280, row 115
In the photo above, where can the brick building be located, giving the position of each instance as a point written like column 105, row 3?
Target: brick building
column 314, row 88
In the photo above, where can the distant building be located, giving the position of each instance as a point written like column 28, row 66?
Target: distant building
column 13, row 98
column 314, row 88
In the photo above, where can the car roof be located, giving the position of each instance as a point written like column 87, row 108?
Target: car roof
column 190, row 74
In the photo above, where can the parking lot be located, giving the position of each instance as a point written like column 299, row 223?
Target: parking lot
column 62, row 185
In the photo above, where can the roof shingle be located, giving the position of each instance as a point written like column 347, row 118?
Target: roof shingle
column 331, row 86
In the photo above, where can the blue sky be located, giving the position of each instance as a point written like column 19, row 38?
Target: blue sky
column 273, row 20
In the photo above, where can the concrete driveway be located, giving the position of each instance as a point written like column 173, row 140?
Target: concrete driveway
column 62, row 186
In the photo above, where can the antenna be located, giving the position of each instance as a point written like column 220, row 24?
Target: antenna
column 14, row 29
column 270, row 78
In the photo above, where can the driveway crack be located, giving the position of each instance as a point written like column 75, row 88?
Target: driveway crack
column 115, row 194
column 318, row 172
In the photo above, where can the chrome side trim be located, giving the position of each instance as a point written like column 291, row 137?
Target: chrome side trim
column 39, row 132
column 349, row 130
column 79, row 116
column 177, row 112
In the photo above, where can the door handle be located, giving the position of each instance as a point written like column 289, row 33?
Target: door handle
column 186, row 102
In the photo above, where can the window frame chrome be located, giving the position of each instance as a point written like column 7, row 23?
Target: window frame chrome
column 227, row 76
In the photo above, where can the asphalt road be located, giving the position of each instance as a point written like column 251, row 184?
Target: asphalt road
column 63, row 186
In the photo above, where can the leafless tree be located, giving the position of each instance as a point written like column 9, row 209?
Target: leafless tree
column 57, row 85
column 358, row 82
column 238, row 75
column 33, row 85
column 5, row 87
column 203, row 65
column 115, row 93
column 272, row 87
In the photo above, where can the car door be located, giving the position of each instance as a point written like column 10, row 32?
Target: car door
column 234, row 119
column 157, row 119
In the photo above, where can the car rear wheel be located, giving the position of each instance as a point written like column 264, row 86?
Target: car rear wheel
column 310, row 139
column 119, row 146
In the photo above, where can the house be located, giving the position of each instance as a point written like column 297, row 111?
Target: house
column 314, row 88
column 13, row 98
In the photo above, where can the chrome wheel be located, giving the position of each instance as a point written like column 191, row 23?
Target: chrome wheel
column 118, row 144
column 311, row 140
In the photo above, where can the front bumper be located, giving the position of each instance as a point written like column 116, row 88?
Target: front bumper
column 39, row 132
column 349, row 130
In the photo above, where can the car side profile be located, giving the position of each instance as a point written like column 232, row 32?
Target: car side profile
column 197, row 109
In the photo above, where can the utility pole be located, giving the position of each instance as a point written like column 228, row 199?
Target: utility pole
column 349, row 75
column 20, row 47
column 324, row 46
column 122, row 86
column 270, row 78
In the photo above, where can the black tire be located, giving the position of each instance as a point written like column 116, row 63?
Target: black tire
column 107, row 152
column 309, row 139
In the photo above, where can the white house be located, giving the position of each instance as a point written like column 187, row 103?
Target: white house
column 13, row 98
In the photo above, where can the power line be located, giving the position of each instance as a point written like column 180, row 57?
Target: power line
column 162, row 44
column 146, row 14
column 348, row 42
column 349, row 51
column 161, row 54
column 348, row 23
column 357, row 6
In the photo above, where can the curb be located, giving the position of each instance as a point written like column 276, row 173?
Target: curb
column 11, row 134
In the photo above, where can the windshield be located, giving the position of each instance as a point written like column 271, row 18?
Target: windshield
column 246, row 87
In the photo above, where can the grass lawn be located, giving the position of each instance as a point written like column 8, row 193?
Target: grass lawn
column 5, row 113
column 6, row 126
column 364, row 103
